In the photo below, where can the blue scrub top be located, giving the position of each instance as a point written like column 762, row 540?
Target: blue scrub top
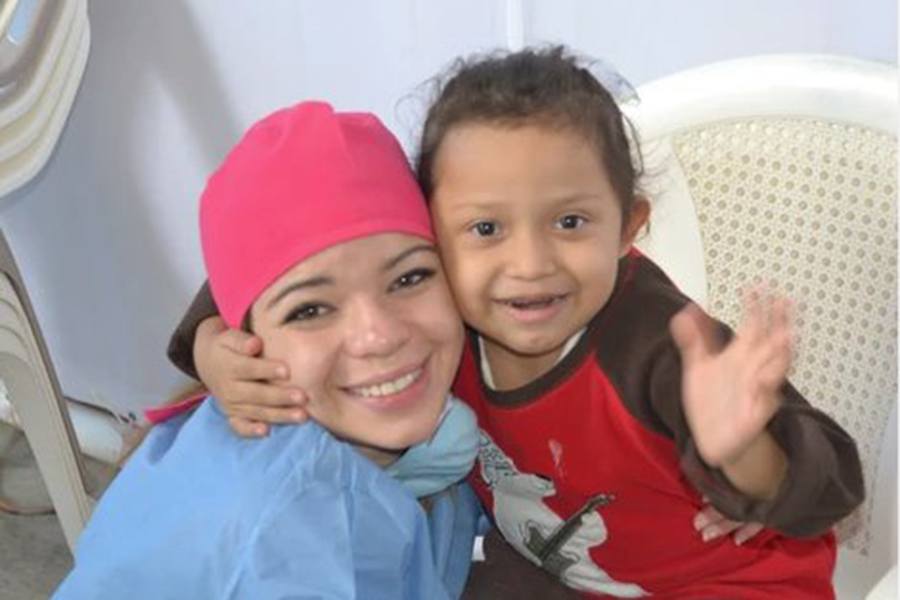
column 200, row 513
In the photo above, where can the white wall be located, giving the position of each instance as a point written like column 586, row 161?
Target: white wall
column 106, row 236
column 646, row 40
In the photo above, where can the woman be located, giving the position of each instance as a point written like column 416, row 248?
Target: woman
column 316, row 239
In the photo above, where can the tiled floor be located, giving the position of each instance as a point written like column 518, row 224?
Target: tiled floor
column 33, row 553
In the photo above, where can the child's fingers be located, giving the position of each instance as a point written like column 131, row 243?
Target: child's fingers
column 747, row 532
column 252, row 346
column 266, row 394
column 771, row 359
column 774, row 369
column 754, row 320
column 782, row 314
column 706, row 516
column 240, row 342
column 741, row 531
column 717, row 530
column 248, row 429
column 249, row 368
column 693, row 334
column 764, row 310
column 712, row 524
column 267, row 414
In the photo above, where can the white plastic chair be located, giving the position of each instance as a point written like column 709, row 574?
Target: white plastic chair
column 28, row 374
column 43, row 52
column 782, row 169
column 39, row 78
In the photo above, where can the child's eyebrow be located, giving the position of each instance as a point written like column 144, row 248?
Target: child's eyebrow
column 589, row 201
column 475, row 198
column 393, row 262
column 486, row 202
column 576, row 197
column 305, row 283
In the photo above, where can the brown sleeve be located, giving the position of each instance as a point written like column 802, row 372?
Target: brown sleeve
column 181, row 344
column 824, row 478
column 823, row 483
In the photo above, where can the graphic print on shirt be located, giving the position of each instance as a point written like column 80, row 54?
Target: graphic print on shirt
column 539, row 534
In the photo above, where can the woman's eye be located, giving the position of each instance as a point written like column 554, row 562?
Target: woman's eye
column 485, row 228
column 307, row 312
column 412, row 278
column 570, row 222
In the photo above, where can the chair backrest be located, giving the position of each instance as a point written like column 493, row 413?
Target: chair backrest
column 783, row 170
column 44, row 47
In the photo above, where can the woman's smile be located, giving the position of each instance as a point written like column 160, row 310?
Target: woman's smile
column 393, row 392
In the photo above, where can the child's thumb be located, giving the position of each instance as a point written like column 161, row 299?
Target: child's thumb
column 241, row 342
column 691, row 333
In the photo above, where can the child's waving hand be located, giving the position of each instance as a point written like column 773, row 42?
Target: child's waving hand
column 730, row 393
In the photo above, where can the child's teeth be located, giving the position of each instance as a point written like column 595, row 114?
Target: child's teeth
column 389, row 387
column 532, row 303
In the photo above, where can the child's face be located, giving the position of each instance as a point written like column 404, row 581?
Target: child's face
column 530, row 232
column 368, row 328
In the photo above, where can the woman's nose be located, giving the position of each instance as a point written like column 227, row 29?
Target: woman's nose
column 374, row 329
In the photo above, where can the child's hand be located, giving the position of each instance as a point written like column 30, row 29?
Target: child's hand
column 246, row 386
column 731, row 393
column 711, row 525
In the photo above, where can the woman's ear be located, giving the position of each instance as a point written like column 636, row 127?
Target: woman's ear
column 634, row 222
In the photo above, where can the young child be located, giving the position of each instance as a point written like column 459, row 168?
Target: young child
column 609, row 405
column 316, row 238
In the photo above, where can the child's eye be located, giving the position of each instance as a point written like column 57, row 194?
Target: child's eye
column 570, row 222
column 411, row 278
column 307, row 312
column 485, row 228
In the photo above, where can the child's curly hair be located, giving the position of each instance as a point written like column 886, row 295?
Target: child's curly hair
column 536, row 86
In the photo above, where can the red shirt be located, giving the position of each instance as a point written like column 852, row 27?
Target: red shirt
column 589, row 471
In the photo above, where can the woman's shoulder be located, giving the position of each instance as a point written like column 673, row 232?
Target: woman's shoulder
column 202, row 458
column 197, row 475
column 201, row 449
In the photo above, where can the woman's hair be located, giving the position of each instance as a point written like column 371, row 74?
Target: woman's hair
column 136, row 437
column 536, row 86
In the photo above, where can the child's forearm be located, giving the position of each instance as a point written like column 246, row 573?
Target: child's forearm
column 760, row 469
column 181, row 344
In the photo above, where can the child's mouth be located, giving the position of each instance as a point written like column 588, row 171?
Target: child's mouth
column 534, row 309
column 533, row 302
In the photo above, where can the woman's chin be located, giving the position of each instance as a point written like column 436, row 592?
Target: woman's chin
column 402, row 437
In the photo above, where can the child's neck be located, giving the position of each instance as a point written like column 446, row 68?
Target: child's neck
column 503, row 369
column 510, row 371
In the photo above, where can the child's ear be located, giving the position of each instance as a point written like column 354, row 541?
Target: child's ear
column 634, row 222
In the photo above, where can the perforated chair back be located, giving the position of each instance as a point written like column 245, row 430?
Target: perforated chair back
column 782, row 170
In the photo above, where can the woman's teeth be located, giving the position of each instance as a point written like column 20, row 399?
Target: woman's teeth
column 389, row 387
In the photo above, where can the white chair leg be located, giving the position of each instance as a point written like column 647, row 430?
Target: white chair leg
column 35, row 395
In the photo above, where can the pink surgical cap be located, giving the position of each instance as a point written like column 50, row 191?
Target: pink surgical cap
column 301, row 180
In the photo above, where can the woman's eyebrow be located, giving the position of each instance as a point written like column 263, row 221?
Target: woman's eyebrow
column 393, row 262
column 324, row 280
column 302, row 284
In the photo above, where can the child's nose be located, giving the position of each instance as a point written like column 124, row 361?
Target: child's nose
column 374, row 329
column 531, row 256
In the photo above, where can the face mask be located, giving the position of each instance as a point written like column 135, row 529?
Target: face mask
column 445, row 458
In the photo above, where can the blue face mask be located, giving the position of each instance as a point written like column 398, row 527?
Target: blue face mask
column 446, row 458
